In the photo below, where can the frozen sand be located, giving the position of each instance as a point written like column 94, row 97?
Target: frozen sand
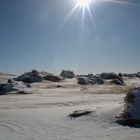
column 44, row 114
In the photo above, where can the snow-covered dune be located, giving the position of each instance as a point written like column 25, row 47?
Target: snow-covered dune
column 45, row 114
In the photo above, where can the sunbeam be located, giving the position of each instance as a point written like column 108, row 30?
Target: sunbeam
column 91, row 15
column 84, row 5
column 65, row 22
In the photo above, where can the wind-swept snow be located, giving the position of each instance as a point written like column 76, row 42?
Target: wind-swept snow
column 44, row 114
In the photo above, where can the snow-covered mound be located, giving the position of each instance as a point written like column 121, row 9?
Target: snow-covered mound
column 53, row 78
column 67, row 74
column 133, row 104
column 8, row 87
column 131, row 75
column 82, row 81
column 131, row 113
column 110, row 75
column 118, row 82
column 30, row 77
column 95, row 79
column 12, row 86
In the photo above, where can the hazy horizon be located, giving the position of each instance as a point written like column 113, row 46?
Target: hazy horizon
column 50, row 35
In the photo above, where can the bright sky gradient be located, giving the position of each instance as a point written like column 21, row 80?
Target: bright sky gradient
column 33, row 35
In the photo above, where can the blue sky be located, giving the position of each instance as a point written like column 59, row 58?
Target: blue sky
column 33, row 36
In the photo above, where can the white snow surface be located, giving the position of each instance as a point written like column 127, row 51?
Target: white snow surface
column 44, row 114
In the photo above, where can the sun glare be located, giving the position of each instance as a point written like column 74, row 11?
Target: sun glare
column 83, row 3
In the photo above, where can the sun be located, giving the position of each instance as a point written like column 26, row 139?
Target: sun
column 83, row 3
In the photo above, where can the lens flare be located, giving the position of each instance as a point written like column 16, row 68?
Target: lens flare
column 83, row 3
column 86, row 6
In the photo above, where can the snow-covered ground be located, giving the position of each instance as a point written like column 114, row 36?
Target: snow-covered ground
column 44, row 114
